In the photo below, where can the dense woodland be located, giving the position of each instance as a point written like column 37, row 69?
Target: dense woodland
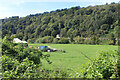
column 77, row 24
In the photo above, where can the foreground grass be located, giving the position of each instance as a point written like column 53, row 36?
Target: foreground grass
column 73, row 59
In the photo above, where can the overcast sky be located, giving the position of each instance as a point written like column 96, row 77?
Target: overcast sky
column 23, row 8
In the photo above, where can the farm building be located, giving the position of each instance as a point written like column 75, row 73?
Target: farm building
column 22, row 43
column 58, row 36
column 16, row 40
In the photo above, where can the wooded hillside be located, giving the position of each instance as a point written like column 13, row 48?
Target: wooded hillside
column 100, row 20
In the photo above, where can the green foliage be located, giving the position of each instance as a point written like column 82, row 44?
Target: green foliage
column 47, row 39
column 55, row 40
column 19, row 61
column 104, row 66
column 39, row 40
column 26, row 63
column 87, row 41
column 79, row 40
column 105, row 27
column 98, row 20
column 31, row 40
column 94, row 40
column 63, row 41
column 112, row 40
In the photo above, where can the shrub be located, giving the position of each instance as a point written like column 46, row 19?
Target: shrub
column 112, row 40
column 79, row 40
column 63, row 41
column 20, row 62
column 104, row 66
column 87, row 41
column 47, row 39
column 39, row 40
column 55, row 40
column 31, row 40
column 94, row 40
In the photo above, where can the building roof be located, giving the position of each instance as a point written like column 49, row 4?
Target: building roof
column 57, row 36
column 16, row 40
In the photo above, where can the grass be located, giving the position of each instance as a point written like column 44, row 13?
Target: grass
column 73, row 59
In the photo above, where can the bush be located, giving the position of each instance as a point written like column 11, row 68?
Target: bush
column 39, row 40
column 112, row 40
column 86, row 41
column 47, row 39
column 20, row 62
column 63, row 41
column 104, row 66
column 31, row 40
column 94, row 40
column 55, row 40
column 79, row 40
column 105, row 27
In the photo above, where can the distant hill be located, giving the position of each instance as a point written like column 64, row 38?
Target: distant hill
column 100, row 20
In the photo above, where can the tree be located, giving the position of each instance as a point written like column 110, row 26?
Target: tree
column 44, row 27
column 79, row 40
column 112, row 39
column 95, row 40
column 63, row 32
column 38, row 31
column 47, row 32
column 39, row 40
column 87, row 41
column 55, row 40
column 75, row 33
column 63, row 41
column 69, row 33
column 105, row 27
column 47, row 39
column 54, row 33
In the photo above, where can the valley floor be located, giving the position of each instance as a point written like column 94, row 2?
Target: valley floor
column 72, row 58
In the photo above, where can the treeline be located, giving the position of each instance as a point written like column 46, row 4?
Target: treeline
column 111, row 40
column 100, row 20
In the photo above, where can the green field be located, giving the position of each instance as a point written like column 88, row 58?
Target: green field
column 73, row 59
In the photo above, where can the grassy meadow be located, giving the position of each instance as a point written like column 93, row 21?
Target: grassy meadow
column 73, row 59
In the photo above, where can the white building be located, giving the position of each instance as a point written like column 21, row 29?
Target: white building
column 58, row 36
column 16, row 40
